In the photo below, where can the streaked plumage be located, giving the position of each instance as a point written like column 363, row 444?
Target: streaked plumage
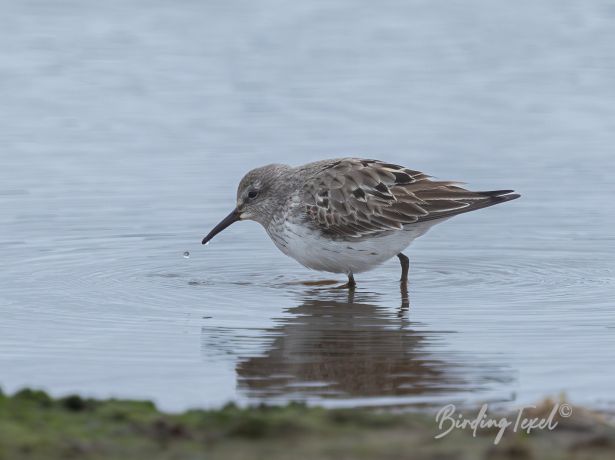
column 349, row 215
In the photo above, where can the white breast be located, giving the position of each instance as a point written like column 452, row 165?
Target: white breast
column 313, row 250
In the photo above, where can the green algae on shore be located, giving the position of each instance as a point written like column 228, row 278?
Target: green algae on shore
column 34, row 425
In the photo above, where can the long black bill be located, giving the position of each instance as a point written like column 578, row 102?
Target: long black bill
column 228, row 220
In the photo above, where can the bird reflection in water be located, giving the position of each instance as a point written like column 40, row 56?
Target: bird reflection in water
column 338, row 344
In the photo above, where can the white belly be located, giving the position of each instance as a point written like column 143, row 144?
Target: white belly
column 314, row 251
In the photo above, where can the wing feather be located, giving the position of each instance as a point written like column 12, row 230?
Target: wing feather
column 354, row 198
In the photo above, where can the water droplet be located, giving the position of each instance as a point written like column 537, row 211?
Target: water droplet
column 207, row 244
column 186, row 255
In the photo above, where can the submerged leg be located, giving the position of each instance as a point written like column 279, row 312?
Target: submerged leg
column 350, row 298
column 405, row 265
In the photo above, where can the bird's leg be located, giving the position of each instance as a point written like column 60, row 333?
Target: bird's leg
column 351, row 284
column 405, row 266
column 405, row 299
column 403, row 283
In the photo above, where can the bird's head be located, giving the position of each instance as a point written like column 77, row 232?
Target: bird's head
column 257, row 197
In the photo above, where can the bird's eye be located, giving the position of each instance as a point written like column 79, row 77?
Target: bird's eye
column 252, row 194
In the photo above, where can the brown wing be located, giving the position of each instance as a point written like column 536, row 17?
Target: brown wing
column 355, row 198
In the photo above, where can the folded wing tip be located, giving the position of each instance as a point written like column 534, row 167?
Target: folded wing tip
column 503, row 195
column 508, row 196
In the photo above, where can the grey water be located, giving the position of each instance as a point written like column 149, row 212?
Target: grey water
column 125, row 127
